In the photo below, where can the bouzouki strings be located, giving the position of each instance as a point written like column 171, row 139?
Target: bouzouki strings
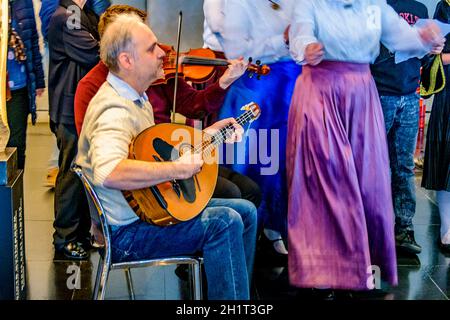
column 222, row 135
column 174, row 201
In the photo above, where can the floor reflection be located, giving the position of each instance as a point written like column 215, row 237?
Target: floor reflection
column 425, row 276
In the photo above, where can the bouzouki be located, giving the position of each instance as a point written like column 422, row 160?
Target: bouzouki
column 175, row 201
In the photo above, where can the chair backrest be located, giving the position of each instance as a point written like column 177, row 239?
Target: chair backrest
column 98, row 217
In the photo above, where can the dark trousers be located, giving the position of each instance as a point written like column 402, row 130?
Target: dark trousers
column 17, row 109
column 72, row 219
column 233, row 185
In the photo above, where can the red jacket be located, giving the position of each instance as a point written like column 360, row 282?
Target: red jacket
column 191, row 103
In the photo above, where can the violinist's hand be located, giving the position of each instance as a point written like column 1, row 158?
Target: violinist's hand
column 314, row 53
column 235, row 136
column 235, row 70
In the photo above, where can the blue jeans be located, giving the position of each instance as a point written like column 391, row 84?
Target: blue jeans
column 401, row 116
column 225, row 232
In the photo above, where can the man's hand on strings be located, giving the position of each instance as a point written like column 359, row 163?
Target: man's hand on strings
column 233, row 135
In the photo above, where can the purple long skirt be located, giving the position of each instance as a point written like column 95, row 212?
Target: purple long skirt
column 340, row 213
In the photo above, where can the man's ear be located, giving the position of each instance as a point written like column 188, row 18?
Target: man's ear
column 125, row 60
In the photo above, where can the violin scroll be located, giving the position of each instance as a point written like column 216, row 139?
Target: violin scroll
column 258, row 69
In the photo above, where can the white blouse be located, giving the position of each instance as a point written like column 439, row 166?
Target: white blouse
column 248, row 28
column 351, row 30
column 213, row 11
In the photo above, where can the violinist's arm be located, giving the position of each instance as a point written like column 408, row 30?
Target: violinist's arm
column 196, row 104
column 192, row 103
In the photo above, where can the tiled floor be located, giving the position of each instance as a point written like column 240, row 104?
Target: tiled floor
column 426, row 276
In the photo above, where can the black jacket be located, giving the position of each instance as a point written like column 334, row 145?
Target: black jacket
column 399, row 79
column 442, row 13
column 74, row 50
column 23, row 12
column 48, row 7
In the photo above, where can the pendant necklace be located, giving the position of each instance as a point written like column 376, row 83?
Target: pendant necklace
column 275, row 5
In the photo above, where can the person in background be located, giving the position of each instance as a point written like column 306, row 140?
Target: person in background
column 48, row 7
column 397, row 85
column 26, row 75
column 436, row 171
column 192, row 103
column 74, row 50
column 341, row 219
column 258, row 29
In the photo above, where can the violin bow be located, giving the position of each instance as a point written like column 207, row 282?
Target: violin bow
column 180, row 21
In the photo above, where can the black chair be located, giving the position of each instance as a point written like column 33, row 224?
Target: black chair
column 106, row 264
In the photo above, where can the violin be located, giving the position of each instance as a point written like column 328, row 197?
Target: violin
column 199, row 65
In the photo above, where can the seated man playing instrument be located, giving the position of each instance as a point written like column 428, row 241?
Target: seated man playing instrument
column 225, row 232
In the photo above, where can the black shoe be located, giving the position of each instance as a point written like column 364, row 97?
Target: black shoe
column 90, row 243
column 405, row 241
column 182, row 272
column 324, row 294
column 267, row 253
column 74, row 251
column 445, row 248
column 344, row 295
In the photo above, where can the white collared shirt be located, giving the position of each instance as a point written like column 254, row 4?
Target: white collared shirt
column 125, row 90
column 248, row 28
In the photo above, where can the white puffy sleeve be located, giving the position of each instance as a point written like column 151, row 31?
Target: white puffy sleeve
column 214, row 14
column 238, row 38
column 302, row 31
column 399, row 37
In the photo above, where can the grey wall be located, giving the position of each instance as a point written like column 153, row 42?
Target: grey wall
column 163, row 16
column 141, row 4
column 164, row 19
column 431, row 4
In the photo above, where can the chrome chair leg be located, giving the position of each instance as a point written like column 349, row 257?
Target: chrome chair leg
column 103, row 280
column 196, row 281
column 98, row 279
column 129, row 283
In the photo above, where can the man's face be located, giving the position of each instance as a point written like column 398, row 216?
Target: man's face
column 149, row 57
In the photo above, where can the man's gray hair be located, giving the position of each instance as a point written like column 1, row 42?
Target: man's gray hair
column 118, row 38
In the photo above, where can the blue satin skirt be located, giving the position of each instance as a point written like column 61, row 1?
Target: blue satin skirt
column 262, row 153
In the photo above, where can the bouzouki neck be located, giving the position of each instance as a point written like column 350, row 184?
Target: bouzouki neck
column 252, row 112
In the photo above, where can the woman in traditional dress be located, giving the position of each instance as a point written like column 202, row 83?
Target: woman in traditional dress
column 341, row 216
column 257, row 29
column 436, row 172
